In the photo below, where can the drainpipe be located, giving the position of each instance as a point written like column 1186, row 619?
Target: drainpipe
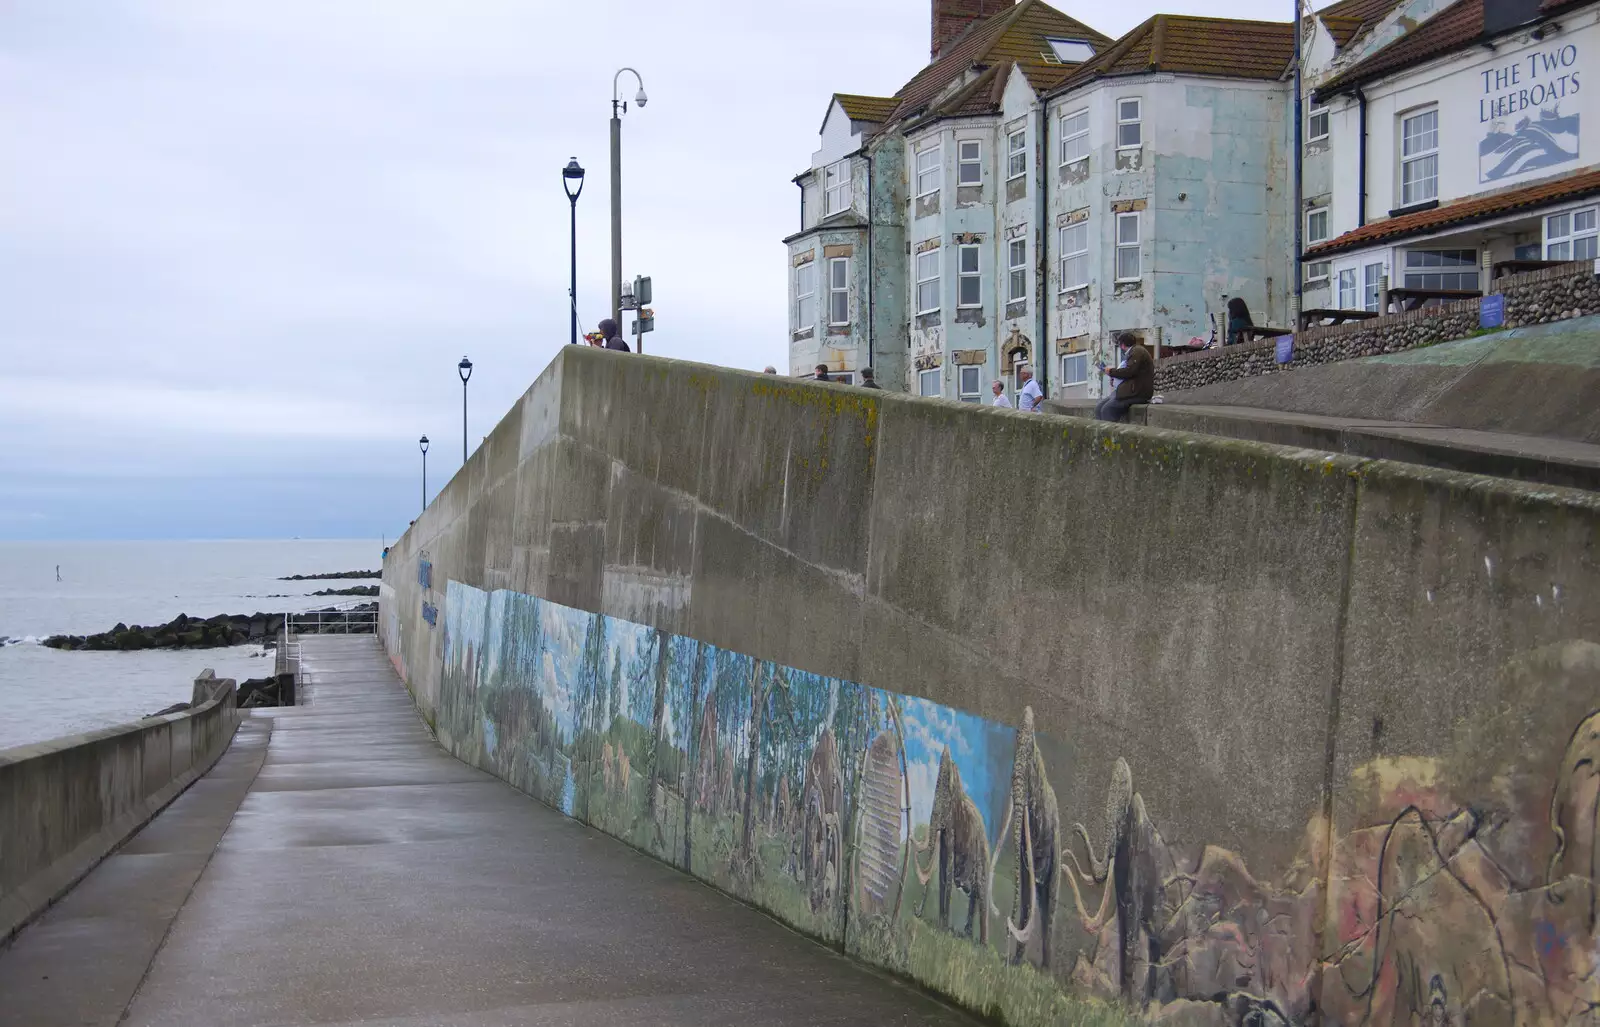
column 1299, row 185
column 872, row 352
column 1041, row 363
column 1361, row 156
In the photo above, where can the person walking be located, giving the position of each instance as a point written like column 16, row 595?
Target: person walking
column 613, row 336
column 1029, row 394
column 1136, row 381
column 867, row 380
column 1238, row 321
column 822, row 373
column 1000, row 398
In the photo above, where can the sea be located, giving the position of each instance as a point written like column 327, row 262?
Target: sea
column 47, row 693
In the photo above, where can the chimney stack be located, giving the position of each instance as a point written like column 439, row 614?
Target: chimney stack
column 951, row 18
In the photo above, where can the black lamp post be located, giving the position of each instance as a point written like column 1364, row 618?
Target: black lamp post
column 572, row 184
column 422, row 444
column 465, row 369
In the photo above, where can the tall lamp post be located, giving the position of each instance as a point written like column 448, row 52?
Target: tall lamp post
column 422, row 444
column 572, row 183
column 465, row 369
column 619, row 107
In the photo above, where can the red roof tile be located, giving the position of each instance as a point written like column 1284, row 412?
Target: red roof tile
column 1224, row 47
column 1348, row 20
column 1457, row 26
column 1463, row 212
column 1020, row 35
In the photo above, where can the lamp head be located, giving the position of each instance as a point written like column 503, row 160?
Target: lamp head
column 465, row 369
column 572, row 179
column 423, row 442
column 641, row 99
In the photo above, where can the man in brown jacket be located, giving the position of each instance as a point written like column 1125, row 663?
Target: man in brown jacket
column 1136, row 378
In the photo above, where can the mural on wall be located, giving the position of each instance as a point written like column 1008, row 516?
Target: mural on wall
column 1456, row 888
column 1520, row 109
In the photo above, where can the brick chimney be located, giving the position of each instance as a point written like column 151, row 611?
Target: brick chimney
column 951, row 18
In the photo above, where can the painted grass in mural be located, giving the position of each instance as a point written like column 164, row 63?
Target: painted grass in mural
column 932, row 842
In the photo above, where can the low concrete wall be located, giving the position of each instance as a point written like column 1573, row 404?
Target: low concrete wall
column 1536, row 297
column 1191, row 716
column 67, row 803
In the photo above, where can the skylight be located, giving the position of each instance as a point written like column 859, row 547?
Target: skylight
column 1071, row 51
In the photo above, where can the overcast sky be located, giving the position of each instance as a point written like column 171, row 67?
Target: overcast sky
column 244, row 243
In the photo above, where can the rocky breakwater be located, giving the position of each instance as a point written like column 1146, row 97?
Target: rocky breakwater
column 333, row 576
column 185, row 632
column 355, row 590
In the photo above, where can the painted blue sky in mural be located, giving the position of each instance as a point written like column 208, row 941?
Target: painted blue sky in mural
column 1536, row 142
column 982, row 752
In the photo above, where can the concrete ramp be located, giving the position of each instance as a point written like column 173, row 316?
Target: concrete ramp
column 1539, row 380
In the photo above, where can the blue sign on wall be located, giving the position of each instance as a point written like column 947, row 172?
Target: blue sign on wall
column 1285, row 351
column 425, row 574
column 430, row 613
column 1492, row 311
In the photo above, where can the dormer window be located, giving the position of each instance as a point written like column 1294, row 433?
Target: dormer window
column 836, row 188
column 1071, row 51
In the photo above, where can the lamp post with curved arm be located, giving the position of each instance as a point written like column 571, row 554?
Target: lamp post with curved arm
column 619, row 107
column 572, row 183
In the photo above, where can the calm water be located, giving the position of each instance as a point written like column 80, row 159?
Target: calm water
column 45, row 693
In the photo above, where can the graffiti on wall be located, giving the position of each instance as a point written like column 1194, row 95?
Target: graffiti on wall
column 934, row 842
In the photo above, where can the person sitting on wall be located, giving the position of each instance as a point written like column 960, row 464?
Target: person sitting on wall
column 1136, row 378
column 612, row 336
column 867, row 379
column 1238, row 321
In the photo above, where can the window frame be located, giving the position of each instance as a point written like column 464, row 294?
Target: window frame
column 1352, row 287
column 1407, row 160
column 963, row 276
column 1471, row 267
column 1017, row 157
column 1067, row 381
column 1135, row 247
column 1137, row 121
column 938, row 268
column 1064, row 255
column 1326, row 114
column 808, row 270
column 1311, row 271
column 1374, row 284
column 963, row 162
column 1067, row 139
column 923, row 378
column 1573, row 236
column 840, row 169
column 935, row 170
column 976, row 374
column 1326, row 214
column 1016, row 270
column 837, row 291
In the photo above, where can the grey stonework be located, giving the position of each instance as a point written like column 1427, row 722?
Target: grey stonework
column 1550, row 294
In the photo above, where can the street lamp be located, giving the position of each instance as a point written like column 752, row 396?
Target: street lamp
column 422, row 443
column 465, row 369
column 619, row 107
column 572, row 183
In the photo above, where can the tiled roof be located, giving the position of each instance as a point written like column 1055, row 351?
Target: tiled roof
column 866, row 108
column 1463, row 212
column 1456, row 26
column 1348, row 20
column 1020, row 35
column 1181, row 44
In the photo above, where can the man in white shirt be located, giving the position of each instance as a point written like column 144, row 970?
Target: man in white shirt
column 1000, row 398
column 1030, row 394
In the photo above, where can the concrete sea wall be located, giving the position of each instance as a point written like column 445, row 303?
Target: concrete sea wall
column 1058, row 718
column 67, row 803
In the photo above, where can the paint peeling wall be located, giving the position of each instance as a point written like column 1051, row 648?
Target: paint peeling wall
column 1335, row 765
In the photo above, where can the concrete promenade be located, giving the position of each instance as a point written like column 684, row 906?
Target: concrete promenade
column 338, row 867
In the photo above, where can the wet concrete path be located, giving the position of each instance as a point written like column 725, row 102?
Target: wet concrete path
column 363, row 876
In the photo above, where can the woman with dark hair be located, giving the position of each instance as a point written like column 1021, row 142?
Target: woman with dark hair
column 1238, row 320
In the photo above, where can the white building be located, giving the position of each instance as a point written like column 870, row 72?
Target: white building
column 1443, row 141
column 1134, row 184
